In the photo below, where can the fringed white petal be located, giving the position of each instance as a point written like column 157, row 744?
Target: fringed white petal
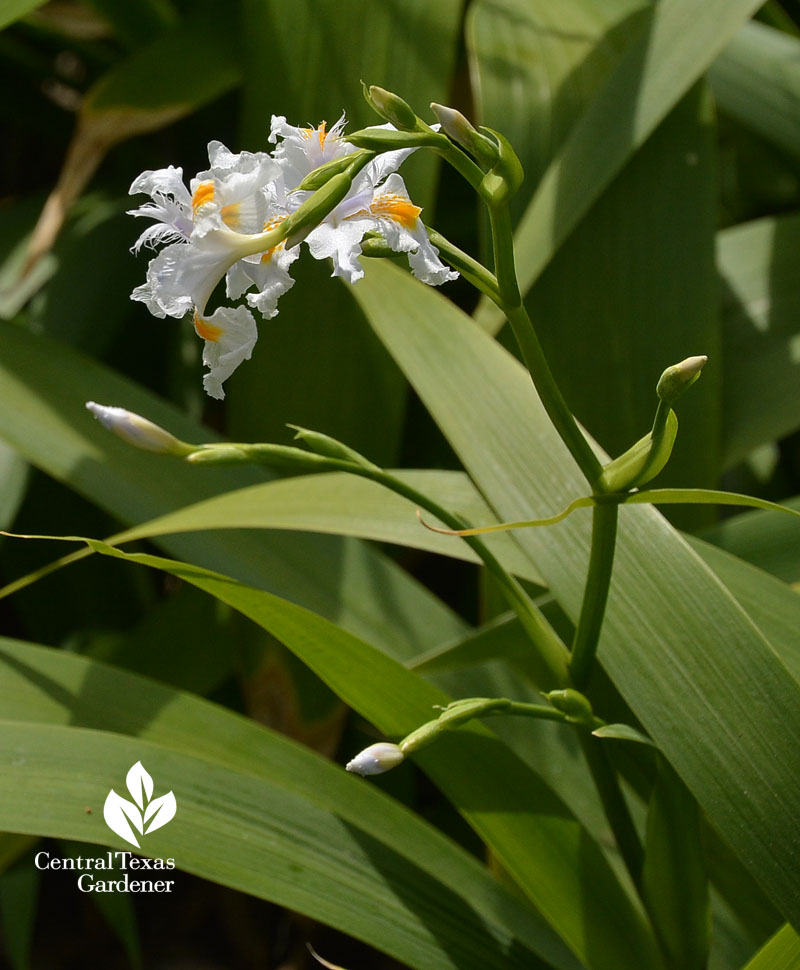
column 171, row 207
column 425, row 263
column 406, row 234
column 233, row 334
column 342, row 244
column 157, row 235
column 301, row 150
column 271, row 278
column 236, row 194
column 180, row 278
column 166, row 182
column 223, row 163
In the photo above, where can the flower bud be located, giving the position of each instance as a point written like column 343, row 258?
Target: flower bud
column 323, row 444
column 572, row 703
column 388, row 140
column 275, row 456
column 461, row 130
column 138, row 431
column 391, row 107
column 645, row 459
column 320, row 176
column 376, row 759
column 676, row 379
column 311, row 213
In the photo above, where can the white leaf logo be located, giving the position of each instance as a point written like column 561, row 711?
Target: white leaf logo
column 145, row 814
column 119, row 813
column 160, row 811
column 140, row 784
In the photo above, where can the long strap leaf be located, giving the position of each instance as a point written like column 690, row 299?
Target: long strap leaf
column 676, row 45
column 547, row 851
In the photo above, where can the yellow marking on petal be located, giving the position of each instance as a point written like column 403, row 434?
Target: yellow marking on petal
column 267, row 256
column 273, row 223
column 396, row 207
column 231, row 215
column 269, row 225
column 321, row 133
column 202, row 194
column 206, row 330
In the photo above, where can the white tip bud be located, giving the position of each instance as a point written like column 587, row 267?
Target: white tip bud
column 376, row 759
column 676, row 379
column 464, row 133
column 452, row 121
column 138, row 431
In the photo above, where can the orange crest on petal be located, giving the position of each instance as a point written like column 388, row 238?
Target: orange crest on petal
column 396, row 207
column 206, row 330
column 202, row 194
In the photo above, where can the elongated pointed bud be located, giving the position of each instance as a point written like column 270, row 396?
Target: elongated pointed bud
column 461, row 711
column 275, row 456
column 387, row 140
column 391, row 107
column 336, row 166
column 678, row 378
column 138, row 431
column 323, row 444
column 456, row 713
column 333, row 187
column 463, row 133
column 311, row 213
column 422, row 735
column 376, row 759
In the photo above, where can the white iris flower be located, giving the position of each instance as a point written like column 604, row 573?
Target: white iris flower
column 213, row 230
column 301, row 150
column 378, row 202
column 206, row 230
column 384, row 208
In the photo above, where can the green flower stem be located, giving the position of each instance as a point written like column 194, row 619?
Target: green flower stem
column 604, row 529
column 462, row 163
column 461, row 711
column 595, row 594
column 660, row 419
column 542, row 711
column 604, row 523
column 504, row 259
column 550, row 395
column 551, row 657
column 511, row 304
column 614, row 805
column 472, row 271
